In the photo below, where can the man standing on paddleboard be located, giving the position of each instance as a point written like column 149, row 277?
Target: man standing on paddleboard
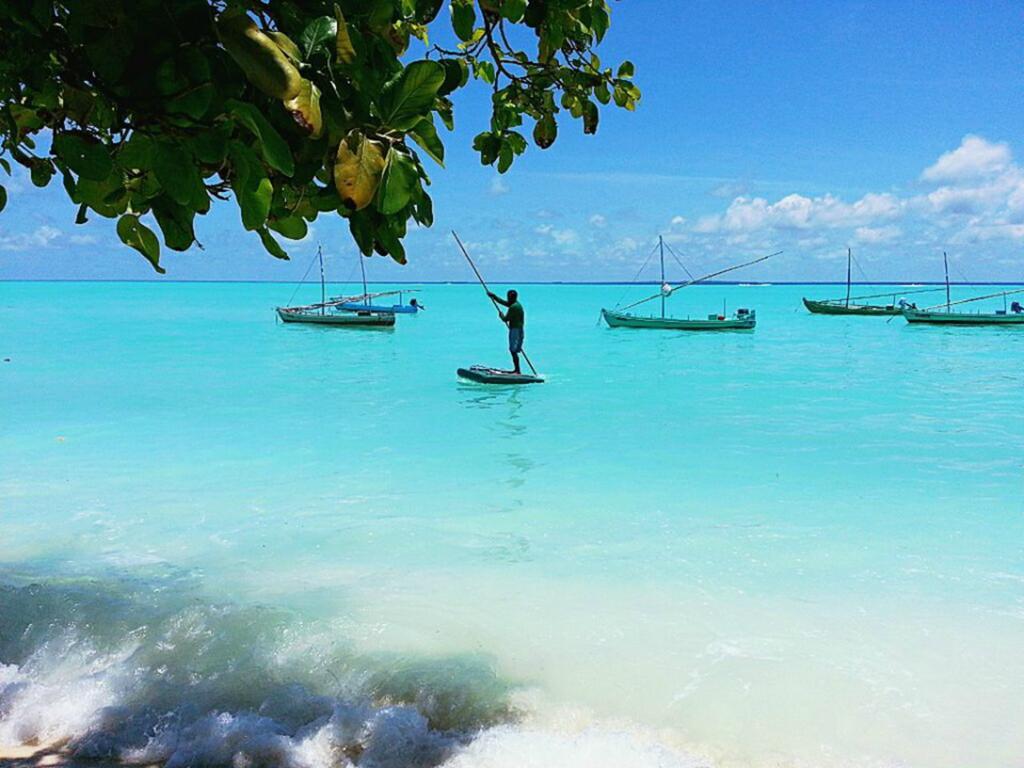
column 515, row 319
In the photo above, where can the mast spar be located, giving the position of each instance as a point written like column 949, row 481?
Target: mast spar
column 849, row 265
column 362, row 267
column 661, row 288
column 945, row 263
column 323, row 288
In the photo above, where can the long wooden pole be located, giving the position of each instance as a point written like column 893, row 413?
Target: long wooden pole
column 488, row 292
column 975, row 298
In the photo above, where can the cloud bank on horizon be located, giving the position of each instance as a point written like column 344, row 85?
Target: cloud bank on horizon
column 969, row 201
column 969, row 195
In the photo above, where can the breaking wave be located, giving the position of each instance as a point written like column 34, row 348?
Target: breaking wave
column 150, row 673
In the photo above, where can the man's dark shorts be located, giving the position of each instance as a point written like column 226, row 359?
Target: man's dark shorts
column 515, row 340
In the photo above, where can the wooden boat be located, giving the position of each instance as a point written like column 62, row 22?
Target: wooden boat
column 482, row 374
column 740, row 320
column 318, row 315
column 852, row 305
column 839, row 307
column 364, row 303
column 932, row 317
column 943, row 314
column 340, row 311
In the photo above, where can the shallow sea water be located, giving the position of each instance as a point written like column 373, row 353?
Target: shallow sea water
column 224, row 536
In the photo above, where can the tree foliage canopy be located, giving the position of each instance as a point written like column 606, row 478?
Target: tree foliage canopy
column 293, row 108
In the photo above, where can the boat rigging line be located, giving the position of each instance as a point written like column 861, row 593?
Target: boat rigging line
column 701, row 279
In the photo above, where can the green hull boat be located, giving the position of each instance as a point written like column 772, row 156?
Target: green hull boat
column 931, row 317
column 743, row 320
column 839, row 307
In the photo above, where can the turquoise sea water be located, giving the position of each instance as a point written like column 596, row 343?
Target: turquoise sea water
column 223, row 536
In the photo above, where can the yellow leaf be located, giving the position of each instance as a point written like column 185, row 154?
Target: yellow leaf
column 305, row 109
column 358, row 169
column 343, row 42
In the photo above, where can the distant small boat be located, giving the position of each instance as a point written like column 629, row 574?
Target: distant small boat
column 346, row 311
column 850, row 305
column 943, row 314
column 740, row 320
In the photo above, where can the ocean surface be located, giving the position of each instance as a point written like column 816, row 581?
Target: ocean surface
column 227, row 540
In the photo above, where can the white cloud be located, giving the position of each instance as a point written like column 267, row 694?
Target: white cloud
column 498, row 186
column 599, row 221
column 976, row 157
column 82, row 239
column 560, row 236
column 976, row 194
column 41, row 237
column 877, row 234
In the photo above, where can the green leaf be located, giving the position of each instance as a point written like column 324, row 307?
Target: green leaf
column 136, row 154
column 424, row 134
column 401, row 179
column 600, row 19
column 292, row 227
column 411, row 95
column 343, row 42
column 456, row 75
column 483, row 70
column 176, row 171
column 175, row 222
column 41, row 172
column 590, row 117
column 274, row 149
column 545, row 131
column 273, row 247
column 463, row 18
column 3, row 197
column 85, row 156
column 255, row 202
column 626, row 69
column 513, row 10
column 193, row 102
column 137, row 235
column 210, row 147
column 318, row 31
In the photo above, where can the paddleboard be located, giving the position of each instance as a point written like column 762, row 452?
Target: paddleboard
column 484, row 375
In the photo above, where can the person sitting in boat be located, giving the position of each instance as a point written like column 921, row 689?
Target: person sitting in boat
column 1016, row 308
column 904, row 304
column 515, row 319
column 416, row 305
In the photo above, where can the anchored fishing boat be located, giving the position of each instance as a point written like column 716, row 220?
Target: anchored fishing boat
column 943, row 314
column 740, row 320
column 347, row 311
column 852, row 305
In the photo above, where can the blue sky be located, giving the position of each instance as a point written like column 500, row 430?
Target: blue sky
column 890, row 127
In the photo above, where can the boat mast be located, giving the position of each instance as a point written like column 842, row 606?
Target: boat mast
column 849, row 264
column 323, row 289
column 661, row 288
column 362, row 266
column 945, row 263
